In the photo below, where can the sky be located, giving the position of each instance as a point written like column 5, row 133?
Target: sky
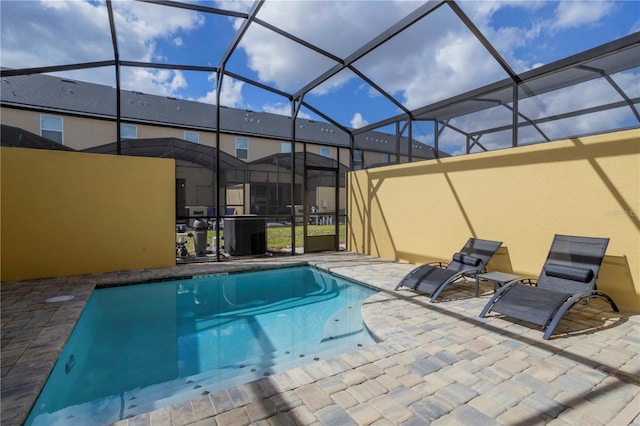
column 432, row 60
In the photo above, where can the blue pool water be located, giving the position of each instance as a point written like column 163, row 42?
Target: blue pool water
column 143, row 347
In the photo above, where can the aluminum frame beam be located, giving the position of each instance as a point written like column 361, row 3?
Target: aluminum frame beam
column 581, row 61
column 197, row 8
column 116, row 56
column 483, row 40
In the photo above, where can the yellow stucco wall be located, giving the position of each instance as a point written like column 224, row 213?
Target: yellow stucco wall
column 67, row 213
column 523, row 196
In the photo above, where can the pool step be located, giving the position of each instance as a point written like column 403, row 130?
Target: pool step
column 142, row 400
column 343, row 323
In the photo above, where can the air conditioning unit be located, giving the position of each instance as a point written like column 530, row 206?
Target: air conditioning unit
column 245, row 235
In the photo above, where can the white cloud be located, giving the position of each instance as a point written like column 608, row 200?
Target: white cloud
column 140, row 25
column 277, row 60
column 339, row 27
column 357, row 121
column 47, row 33
column 235, row 5
column 44, row 33
column 420, row 73
column 230, row 96
column 412, row 70
column 330, row 25
column 580, row 96
column 283, row 108
column 576, row 13
column 156, row 82
column 405, row 67
column 539, row 27
column 279, row 108
column 507, row 38
column 334, row 83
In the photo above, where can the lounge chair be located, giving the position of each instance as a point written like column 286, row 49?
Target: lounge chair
column 432, row 278
column 568, row 276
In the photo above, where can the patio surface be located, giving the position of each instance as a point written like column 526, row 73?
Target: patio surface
column 436, row 363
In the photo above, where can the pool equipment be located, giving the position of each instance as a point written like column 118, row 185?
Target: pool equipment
column 200, row 227
column 181, row 245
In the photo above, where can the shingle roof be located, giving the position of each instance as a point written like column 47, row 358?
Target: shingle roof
column 64, row 96
column 283, row 160
column 171, row 148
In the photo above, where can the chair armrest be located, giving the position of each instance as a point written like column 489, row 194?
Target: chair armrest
column 472, row 272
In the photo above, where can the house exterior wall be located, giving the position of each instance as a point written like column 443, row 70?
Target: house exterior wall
column 82, row 133
column 325, row 199
column 27, row 120
column 78, row 132
column 85, row 132
column 196, row 177
column 588, row 186
column 66, row 213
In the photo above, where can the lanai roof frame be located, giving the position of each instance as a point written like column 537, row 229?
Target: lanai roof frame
column 440, row 112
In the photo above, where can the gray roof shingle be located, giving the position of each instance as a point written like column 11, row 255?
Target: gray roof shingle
column 64, row 96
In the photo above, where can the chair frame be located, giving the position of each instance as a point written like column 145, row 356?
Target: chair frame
column 460, row 273
column 573, row 297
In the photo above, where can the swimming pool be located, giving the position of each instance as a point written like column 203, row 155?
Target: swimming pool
column 139, row 348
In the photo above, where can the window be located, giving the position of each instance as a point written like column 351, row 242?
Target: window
column 242, row 148
column 357, row 159
column 128, row 131
column 325, row 152
column 285, row 147
column 192, row 137
column 51, row 128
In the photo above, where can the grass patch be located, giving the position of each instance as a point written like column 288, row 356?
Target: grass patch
column 280, row 237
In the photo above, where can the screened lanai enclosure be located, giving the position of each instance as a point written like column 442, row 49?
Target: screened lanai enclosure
column 266, row 105
column 262, row 188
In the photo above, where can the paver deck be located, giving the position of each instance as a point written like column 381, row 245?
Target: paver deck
column 436, row 363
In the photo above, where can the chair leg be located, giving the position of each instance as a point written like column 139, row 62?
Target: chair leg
column 436, row 293
column 606, row 297
column 489, row 306
column 569, row 304
column 558, row 316
column 404, row 279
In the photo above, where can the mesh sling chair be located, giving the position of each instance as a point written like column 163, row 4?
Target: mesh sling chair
column 568, row 276
column 432, row 278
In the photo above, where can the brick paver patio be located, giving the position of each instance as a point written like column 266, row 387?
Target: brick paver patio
column 435, row 364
